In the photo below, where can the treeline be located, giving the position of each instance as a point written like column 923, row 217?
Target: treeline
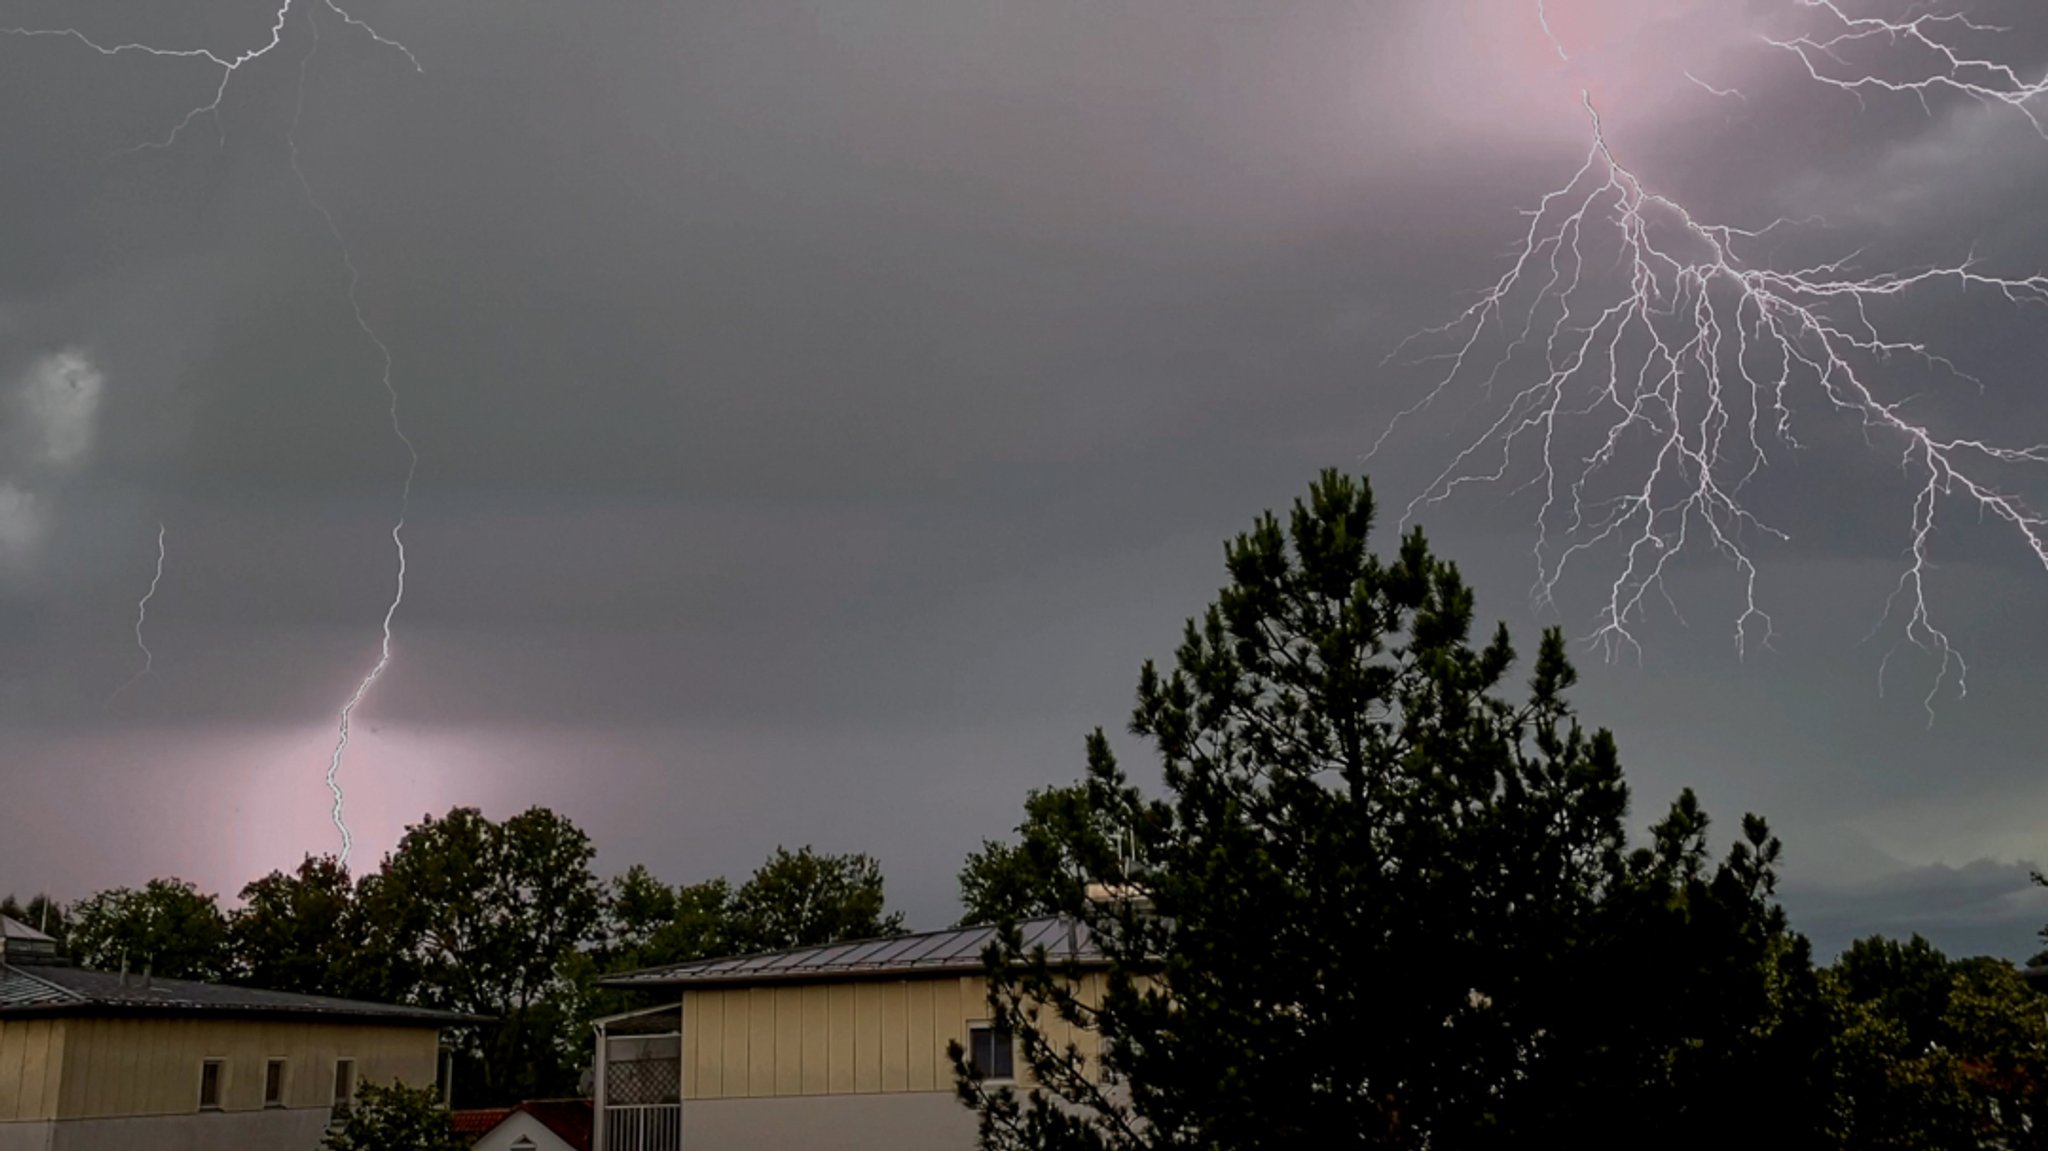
column 504, row 919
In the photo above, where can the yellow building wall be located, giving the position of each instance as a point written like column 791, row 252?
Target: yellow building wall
column 88, row 1068
column 31, row 1057
column 871, row 1037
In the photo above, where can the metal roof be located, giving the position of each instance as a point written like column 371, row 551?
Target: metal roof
column 49, row 989
column 16, row 929
column 928, row 953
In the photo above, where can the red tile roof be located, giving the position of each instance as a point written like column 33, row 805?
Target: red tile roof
column 476, row 1123
column 569, row 1119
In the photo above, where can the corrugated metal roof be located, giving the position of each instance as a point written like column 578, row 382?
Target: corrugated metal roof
column 52, row 989
column 930, row 952
column 20, row 989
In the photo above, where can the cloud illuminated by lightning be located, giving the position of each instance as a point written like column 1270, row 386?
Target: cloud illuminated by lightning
column 229, row 64
column 142, row 617
column 1682, row 360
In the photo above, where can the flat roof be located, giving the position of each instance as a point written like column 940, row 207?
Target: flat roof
column 954, row 950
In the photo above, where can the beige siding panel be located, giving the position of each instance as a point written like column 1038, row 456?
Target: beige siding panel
column 867, row 1038
column 13, row 1038
column 817, row 1041
column 160, row 1094
column 31, row 1053
column 734, row 1058
column 690, row 1030
column 1093, row 985
column 923, row 1063
column 53, row 1083
column 945, row 1025
column 140, row 1043
column 761, row 1042
column 895, row 1037
column 710, row 1029
column 839, row 1038
column 789, row 1040
column 66, row 1071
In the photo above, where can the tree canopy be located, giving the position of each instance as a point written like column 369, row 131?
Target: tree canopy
column 394, row 1118
column 1385, row 904
column 169, row 926
column 802, row 898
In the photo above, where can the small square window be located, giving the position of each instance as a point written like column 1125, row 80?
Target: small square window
column 990, row 1052
column 273, row 1083
column 344, row 1085
column 209, row 1085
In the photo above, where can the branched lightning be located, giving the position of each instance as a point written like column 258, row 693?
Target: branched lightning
column 1723, row 93
column 1938, row 34
column 1682, row 362
column 229, row 64
column 142, row 617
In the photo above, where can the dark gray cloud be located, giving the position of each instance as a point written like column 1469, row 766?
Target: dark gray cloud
column 823, row 409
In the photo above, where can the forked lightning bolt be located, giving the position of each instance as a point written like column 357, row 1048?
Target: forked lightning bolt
column 229, row 64
column 1683, row 360
column 142, row 617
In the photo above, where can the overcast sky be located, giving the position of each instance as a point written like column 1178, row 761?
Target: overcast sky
column 823, row 408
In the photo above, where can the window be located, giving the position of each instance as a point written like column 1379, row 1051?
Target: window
column 344, row 1085
column 273, row 1083
column 209, row 1085
column 989, row 1051
column 444, row 1076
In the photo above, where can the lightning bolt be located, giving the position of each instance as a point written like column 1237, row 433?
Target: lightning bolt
column 228, row 65
column 141, row 617
column 1723, row 93
column 1543, row 18
column 1683, row 359
column 412, row 455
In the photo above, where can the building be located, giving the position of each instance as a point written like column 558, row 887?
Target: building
column 836, row 1047
column 105, row 1061
column 536, row 1125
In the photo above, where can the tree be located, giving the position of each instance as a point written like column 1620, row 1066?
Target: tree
column 394, row 1118
column 169, row 926
column 482, row 917
column 1938, row 1054
column 1041, row 872
column 802, row 899
column 40, row 912
column 648, row 923
column 1383, row 905
column 304, row 933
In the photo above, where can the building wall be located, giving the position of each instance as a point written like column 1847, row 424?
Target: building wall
column 928, row 1121
column 31, row 1060
column 299, row 1129
column 851, row 1038
column 115, row 1068
column 26, row 1135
